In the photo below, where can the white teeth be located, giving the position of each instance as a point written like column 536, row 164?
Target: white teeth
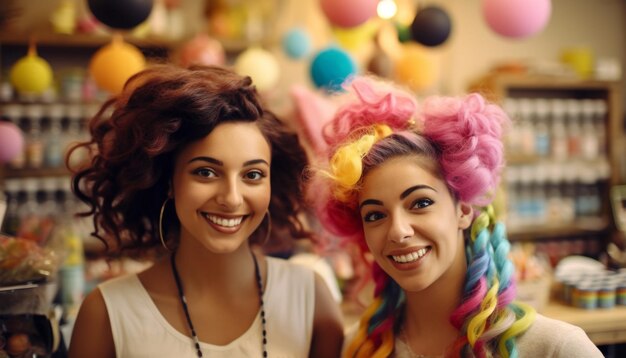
column 224, row 222
column 412, row 257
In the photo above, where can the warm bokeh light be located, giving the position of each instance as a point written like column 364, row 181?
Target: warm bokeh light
column 386, row 9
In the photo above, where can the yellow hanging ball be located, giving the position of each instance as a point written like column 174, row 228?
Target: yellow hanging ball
column 261, row 65
column 354, row 38
column 113, row 64
column 31, row 74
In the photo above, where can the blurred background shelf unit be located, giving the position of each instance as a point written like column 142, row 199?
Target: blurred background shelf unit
column 563, row 153
column 36, row 183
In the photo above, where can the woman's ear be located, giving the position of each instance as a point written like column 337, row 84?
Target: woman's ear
column 465, row 215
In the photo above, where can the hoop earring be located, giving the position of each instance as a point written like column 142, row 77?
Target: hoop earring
column 161, row 225
column 269, row 229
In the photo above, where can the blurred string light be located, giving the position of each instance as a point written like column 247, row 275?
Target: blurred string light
column 386, row 9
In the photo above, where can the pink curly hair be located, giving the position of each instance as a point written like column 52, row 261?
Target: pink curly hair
column 467, row 148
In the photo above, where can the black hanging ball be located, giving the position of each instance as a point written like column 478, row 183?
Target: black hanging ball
column 121, row 14
column 431, row 26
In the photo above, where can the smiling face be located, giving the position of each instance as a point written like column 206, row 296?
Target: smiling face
column 412, row 224
column 221, row 186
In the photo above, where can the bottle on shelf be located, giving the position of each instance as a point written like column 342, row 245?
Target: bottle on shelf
column 569, row 191
column 513, row 140
column 559, row 148
column 542, row 133
column 73, row 133
column 599, row 122
column 589, row 143
column 54, row 145
column 34, row 140
column 12, row 190
column 49, row 207
column 554, row 196
column 573, row 128
column 526, row 129
column 512, row 196
column 525, row 196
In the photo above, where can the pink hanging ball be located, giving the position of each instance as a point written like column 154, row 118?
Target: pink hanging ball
column 348, row 13
column 517, row 18
column 202, row 50
column 11, row 141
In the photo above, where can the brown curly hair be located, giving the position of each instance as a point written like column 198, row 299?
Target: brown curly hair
column 136, row 136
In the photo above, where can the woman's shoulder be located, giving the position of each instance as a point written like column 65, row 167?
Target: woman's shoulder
column 543, row 324
column 288, row 269
column 554, row 338
column 124, row 281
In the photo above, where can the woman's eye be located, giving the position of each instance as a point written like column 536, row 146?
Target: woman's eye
column 254, row 175
column 373, row 216
column 421, row 203
column 205, row 172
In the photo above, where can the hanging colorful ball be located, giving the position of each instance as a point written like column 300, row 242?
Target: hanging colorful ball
column 416, row 67
column 296, row 43
column 431, row 26
column 353, row 39
column 202, row 50
column 11, row 141
column 121, row 14
column 261, row 65
column 113, row 64
column 331, row 67
column 348, row 13
column 31, row 74
column 517, row 18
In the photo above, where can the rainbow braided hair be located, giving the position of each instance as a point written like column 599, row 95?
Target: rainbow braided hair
column 487, row 313
column 462, row 138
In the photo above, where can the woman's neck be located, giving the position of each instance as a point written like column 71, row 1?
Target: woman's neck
column 206, row 272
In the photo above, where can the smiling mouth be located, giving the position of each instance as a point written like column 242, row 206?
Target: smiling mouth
column 410, row 257
column 224, row 222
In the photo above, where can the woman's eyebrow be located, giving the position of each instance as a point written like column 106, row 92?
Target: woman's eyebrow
column 220, row 163
column 414, row 188
column 207, row 159
column 370, row 202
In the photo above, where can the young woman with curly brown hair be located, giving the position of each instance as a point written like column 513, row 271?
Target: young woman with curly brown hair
column 188, row 160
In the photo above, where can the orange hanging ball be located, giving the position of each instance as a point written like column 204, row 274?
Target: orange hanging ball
column 112, row 65
column 417, row 68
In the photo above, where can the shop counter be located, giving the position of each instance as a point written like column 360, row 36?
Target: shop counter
column 602, row 325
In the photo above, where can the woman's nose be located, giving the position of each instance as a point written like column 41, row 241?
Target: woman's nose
column 400, row 229
column 230, row 197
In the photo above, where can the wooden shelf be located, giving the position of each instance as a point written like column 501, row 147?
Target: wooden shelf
column 495, row 87
column 520, row 159
column 94, row 41
column 580, row 227
column 82, row 40
column 603, row 326
column 11, row 173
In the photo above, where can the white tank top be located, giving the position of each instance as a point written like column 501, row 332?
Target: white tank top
column 139, row 329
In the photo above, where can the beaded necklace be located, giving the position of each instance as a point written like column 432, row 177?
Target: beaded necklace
column 183, row 301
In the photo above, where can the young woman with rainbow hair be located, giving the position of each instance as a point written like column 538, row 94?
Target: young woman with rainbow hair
column 413, row 189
